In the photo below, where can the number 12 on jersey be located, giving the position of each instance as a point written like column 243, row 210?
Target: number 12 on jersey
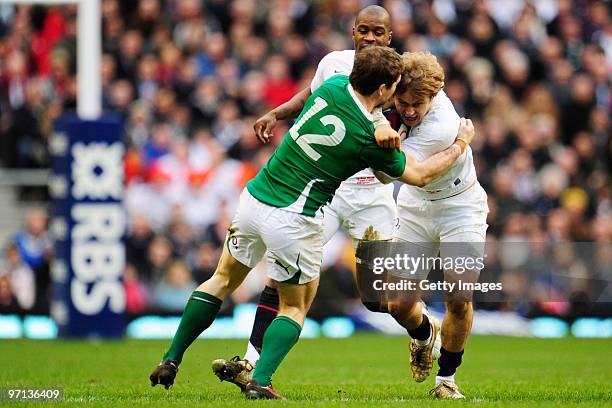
column 305, row 140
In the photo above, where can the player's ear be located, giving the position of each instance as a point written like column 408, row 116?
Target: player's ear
column 390, row 37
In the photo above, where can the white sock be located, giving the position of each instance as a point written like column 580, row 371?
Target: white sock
column 450, row 379
column 252, row 355
column 427, row 340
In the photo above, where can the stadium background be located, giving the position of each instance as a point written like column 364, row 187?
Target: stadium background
column 190, row 77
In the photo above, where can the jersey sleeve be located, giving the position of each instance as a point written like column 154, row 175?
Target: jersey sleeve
column 431, row 136
column 379, row 117
column 325, row 70
column 389, row 161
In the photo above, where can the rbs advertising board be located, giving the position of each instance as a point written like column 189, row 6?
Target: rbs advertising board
column 88, row 223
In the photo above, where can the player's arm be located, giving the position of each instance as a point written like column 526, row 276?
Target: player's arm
column 288, row 110
column 422, row 173
column 386, row 136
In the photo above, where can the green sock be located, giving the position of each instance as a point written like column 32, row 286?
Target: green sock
column 199, row 314
column 279, row 338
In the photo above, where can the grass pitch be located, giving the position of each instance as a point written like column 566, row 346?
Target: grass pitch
column 362, row 371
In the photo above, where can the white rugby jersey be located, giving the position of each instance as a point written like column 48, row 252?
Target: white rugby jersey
column 341, row 63
column 435, row 133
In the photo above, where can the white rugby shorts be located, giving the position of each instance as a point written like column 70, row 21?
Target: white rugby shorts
column 294, row 241
column 357, row 208
column 455, row 227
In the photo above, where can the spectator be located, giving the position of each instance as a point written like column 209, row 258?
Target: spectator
column 136, row 293
column 8, row 301
column 279, row 86
column 21, row 278
column 175, row 288
column 159, row 257
column 34, row 246
column 139, row 238
column 203, row 260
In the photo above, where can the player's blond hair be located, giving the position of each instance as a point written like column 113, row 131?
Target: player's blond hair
column 422, row 76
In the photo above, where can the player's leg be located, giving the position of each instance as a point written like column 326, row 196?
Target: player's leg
column 456, row 328
column 459, row 315
column 295, row 252
column 200, row 312
column 268, row 305
column 242, row 251
column 239, row 371
column 463, row 240
column 281, row 336
column 267, row 309
column 368, row 214
column 411, row 313
column 419, row 240
column 406, row 307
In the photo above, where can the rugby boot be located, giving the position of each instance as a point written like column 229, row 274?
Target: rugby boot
column 446, row 390
column 422, row 357
column 164, row 373
column 235, row 370
column 254, row 390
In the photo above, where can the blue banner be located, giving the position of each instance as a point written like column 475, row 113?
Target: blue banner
column 88, row 223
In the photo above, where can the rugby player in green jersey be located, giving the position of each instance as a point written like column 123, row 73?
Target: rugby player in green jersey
column 281, row 208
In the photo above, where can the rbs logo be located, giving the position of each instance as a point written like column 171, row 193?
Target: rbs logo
column 98, row 254
column 97, row 171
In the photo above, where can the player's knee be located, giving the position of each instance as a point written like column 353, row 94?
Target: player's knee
column 377, row 307
column 458, row 310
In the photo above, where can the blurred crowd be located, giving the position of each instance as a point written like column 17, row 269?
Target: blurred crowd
column 190, row 77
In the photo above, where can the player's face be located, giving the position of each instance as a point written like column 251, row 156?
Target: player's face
column 371, row 31
column 411, row 108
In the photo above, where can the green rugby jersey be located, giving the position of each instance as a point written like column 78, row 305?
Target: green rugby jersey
column 332, row 139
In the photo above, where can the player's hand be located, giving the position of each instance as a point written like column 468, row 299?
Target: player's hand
column 263, row 127
column 466, row 131
column 386, row 137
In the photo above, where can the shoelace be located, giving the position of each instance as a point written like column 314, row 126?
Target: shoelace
column 248, row 365
column 452, row 387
